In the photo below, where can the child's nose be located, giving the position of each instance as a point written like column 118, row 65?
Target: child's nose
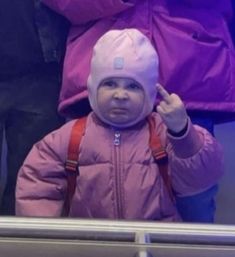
column 120, row 93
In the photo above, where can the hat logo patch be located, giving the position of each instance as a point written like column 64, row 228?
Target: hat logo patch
column 118, row 63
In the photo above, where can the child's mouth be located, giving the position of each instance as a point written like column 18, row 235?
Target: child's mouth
column 119, row 110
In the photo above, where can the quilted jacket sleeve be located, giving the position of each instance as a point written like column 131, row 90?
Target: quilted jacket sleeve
column 41, row 183
column 82, row 11
column 195, row 161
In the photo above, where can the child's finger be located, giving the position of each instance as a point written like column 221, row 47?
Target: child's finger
column 160, row 110
column 163, row 93
column 164, row 106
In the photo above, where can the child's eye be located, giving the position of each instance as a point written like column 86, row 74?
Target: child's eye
column 134, row 86
column 109, row 83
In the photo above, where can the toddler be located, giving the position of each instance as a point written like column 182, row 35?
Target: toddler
column 118, row 176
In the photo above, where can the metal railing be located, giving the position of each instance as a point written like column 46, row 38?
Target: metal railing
column 77, row 237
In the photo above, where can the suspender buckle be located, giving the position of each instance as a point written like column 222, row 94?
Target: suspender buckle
column 71, row 165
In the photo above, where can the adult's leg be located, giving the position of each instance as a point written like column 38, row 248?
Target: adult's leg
column 33, row 116
column 202, row 119
column 203, row 204
column 2, row 175
column 6, row 102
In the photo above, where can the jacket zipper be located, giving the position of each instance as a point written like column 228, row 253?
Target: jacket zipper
column 117, row 142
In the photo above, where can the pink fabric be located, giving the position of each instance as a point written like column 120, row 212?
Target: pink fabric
column 192, row 39
column 117, row 181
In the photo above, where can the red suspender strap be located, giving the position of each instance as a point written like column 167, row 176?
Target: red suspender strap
column 71, row 164
column 160, row 155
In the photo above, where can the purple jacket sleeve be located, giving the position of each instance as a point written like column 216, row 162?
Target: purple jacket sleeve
column 82, row 11
column 195, row 161
column 41, row 183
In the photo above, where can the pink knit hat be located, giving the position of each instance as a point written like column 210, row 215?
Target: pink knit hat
column 124, row 53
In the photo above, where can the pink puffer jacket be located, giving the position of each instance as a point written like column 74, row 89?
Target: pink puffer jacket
column 117, row 181
column 197, row 58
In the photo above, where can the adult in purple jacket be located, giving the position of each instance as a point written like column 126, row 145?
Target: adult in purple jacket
column 118, row 177
column 191, row 36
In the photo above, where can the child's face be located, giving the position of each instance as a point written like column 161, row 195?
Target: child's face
column 120, row 100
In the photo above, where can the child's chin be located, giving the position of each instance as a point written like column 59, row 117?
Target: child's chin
column 119, row 119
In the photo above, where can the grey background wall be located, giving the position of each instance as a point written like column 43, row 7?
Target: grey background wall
column 225, row 133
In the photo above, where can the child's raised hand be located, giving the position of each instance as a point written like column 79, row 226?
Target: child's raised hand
column 172, row 110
